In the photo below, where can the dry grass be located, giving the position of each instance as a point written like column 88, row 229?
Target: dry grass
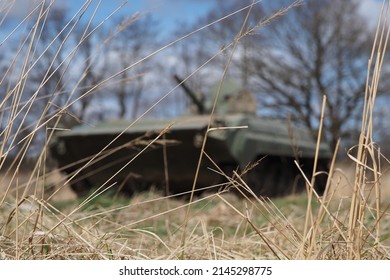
column 148, row 226
column 351, row 220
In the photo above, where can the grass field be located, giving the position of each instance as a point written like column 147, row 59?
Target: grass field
column 350, row 221
column 220, row 226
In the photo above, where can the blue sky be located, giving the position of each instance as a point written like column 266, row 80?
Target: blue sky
column 169, row 12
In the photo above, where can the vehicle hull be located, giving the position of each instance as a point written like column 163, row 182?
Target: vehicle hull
column 130, row 157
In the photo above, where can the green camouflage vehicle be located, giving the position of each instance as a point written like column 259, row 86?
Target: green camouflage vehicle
column 165, row 152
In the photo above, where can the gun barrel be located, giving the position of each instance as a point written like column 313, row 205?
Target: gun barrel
column 198, row 103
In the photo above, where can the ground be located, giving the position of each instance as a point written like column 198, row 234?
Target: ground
column 214, row 226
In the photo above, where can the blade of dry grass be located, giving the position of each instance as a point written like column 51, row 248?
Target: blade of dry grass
column 215, row 226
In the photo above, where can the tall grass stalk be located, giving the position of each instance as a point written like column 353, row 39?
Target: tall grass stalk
column 218, row 225
column 242, row 33
column 367, row 152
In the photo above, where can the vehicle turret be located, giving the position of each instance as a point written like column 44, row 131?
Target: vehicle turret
column 165, row 152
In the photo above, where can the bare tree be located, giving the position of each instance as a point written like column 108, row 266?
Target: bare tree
column 32, row 61
column 50, row 52
column 136, row 38
column 320, row 48
column 231, row 18
column 236, row 18
column 93, row 68
column 51, row 66
column 72, row 61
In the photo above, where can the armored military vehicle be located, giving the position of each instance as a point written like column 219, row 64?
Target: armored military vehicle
column 133, row 156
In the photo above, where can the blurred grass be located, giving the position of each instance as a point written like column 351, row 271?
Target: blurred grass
column 351, row 225
column 149, row 227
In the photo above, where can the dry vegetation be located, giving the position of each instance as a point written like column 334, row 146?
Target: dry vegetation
column 350, row 221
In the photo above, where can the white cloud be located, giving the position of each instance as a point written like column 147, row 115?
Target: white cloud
column 371, row 9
